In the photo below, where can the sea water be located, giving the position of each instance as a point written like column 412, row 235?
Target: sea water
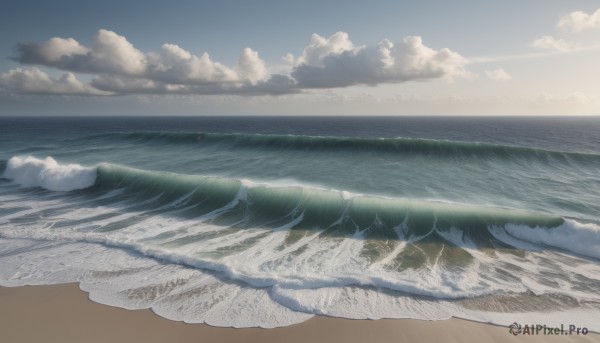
column 267, row 221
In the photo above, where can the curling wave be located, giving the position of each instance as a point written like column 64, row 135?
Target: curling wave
column 242, row 204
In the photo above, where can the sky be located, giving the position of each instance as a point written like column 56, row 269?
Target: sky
column 428, row 57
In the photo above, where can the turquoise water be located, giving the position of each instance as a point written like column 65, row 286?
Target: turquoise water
column 268, row 221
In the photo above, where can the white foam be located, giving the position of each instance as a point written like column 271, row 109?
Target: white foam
column 49, row 174
column 130, row 280
column 119, row 278
column 583, row 239
column 311, row 262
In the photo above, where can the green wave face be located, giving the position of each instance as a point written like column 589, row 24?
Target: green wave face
column 206, row 192
column 328, row 212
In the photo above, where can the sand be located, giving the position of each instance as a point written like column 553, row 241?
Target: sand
column 63, row 313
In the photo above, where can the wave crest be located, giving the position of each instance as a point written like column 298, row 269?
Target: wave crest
column 49, row 174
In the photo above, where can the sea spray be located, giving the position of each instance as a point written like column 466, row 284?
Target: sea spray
column 49, row 174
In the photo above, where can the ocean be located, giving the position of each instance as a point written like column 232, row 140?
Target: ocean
column 268, row 221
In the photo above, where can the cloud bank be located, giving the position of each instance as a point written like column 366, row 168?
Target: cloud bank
column 118, row 68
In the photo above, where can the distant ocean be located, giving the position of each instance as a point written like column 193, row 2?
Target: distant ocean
column 267, row 221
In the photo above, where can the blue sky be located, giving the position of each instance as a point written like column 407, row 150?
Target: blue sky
column 382, row 58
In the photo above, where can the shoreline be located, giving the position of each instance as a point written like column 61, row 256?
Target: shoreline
column 64, row 313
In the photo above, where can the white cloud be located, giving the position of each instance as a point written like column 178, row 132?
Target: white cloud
column 119, row 67
column 498, row 74
column 251, row 67
column 114, row 54
column 573, row 22
column 35, row 81
column 337, row 62
column 551, row 43
column 414, row 60
column 54, row 49
column 579, row 21
column 321, row 47
column 109, row 53
column 176, row 65
column 288, row 59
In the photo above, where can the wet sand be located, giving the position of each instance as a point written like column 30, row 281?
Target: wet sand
column 63, row 313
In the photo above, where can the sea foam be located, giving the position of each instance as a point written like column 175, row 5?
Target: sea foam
column 49, row 174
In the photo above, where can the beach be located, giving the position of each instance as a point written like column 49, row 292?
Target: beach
column 63, row 313
column 209, row 171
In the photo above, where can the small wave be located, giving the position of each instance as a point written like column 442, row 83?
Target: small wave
column 411, row 146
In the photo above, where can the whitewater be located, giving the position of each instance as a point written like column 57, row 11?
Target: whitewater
column 265, row 227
